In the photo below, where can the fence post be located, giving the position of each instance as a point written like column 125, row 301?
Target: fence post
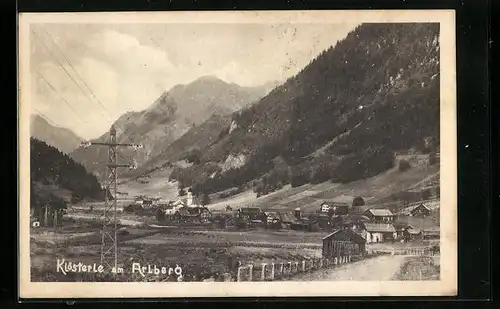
column 281, row 269
column 263, row 272
column 296, row 267
column 335, row 261
column 272, row 271
column 250, row 267
column 321, row 263
column 304, row 266
column 290, row 270
column 238, row 277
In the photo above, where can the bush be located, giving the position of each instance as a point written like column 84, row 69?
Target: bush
column 358, row 201
column 404, row 165
column 299, row 180
column 432, row 159
column 320, row 175
column 363, row 165
column 205, row 199
column 182, row 192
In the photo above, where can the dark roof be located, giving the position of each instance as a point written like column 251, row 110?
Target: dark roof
column 354, row 218
column 333, row 203
column 380, row 212
column 288, row 217
column 251, row 210
column 355, row 237
column 413, row 231
column 420, row 206
column 379, row 227
column 430, row 231
column 401, row 226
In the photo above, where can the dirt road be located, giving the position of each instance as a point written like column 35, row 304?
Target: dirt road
column 376, row 269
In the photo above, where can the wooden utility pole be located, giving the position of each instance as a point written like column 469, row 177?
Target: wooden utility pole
column 109, row 244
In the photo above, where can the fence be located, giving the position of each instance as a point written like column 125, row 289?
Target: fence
column 411, row 252
column 276, row 271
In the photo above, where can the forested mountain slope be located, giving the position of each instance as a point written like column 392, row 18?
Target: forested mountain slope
column 342, row 117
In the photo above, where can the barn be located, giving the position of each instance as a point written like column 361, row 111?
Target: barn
column 420, row 211
column 343, row 242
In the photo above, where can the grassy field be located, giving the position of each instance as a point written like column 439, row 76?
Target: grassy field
column 199, row 251
column 418, row 268
column 308, row 197
column 201, row 254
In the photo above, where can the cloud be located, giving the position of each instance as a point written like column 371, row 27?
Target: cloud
column 68, row 99
column 128, row 66
column 127, row 54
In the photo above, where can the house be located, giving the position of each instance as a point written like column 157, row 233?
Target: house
column 343, row 242
column 334, row 208
column 193, row 214
column 353, row 221
column 412, row 234
column 143, row 201
column 382, row 215
column 297, row 213
column 272, row 217
column 420, row 211
column 305, row 224
column 430, row 233
column 378, row 232
column 323, row 220
column 252, row 213
column 287, row 218
column 401, row 228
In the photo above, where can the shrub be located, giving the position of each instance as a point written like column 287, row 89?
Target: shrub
column 404, row 165
column 432, row 159
column 358, row 201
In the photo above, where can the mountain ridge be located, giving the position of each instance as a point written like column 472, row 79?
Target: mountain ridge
column 169, row 117
column 372, row 94
column 61, row 138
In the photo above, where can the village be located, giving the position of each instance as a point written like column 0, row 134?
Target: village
column 375, row 225
column 345, row 229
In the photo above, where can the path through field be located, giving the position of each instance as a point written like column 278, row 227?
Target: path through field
column 381, row 268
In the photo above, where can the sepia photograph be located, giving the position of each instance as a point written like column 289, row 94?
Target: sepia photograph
column 225, row 154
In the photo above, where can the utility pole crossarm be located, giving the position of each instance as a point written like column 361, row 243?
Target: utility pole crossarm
column 87, row 144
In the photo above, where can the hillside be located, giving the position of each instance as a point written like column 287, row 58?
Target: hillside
column 342, row 117
column 169, row 117
column 57, row 179
column 188, row 145
column 61, row 138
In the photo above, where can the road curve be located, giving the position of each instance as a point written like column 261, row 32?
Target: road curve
column 381, row 268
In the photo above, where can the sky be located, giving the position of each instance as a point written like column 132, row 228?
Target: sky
column 85, row 76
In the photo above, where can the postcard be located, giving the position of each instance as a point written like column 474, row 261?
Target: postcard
column 237, row 153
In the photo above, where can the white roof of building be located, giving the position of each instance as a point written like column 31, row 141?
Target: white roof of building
column 380, row 212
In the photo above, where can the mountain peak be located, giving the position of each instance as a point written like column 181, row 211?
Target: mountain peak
column 208, row 78
column 62, row 138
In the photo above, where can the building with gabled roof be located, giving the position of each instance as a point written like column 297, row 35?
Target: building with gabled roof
column 380, row 215
column 335, row 208
column 343, row 242
column 378, row 232
column 420, row 211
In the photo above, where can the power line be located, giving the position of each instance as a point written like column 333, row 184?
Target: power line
column 76, row 72
column 60, row 95
column 71, row 77
column 62, row 66
column 83, row 82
